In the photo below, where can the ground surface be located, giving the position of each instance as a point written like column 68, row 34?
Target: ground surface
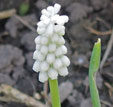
column 89, row 20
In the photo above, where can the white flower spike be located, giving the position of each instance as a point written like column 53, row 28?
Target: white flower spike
column 50, row 50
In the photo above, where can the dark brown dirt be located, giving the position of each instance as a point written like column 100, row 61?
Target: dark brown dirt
column 17, row 46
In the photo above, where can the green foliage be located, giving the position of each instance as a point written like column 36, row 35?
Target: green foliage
column 93, row 68
column 24, row 7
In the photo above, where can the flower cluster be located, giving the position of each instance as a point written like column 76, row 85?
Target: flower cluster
column 50, row 50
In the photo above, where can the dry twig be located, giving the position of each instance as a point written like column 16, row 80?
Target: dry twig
column 25, row 23
column 7, row 13
column 108, row 86
column 106, row 103
column 91, row 30
column 11, row 94
column 104, row 22
column 96, row 32
column 12, row 12
column 108, row 49
column 48, row 102
column 110, row 42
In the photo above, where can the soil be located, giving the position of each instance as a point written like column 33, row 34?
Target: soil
column 17, row 47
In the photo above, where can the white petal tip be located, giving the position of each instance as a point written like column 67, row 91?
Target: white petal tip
column 57, row 8
column 53, row 74
column 63, row 71
column 43, row 77
column 36, row 66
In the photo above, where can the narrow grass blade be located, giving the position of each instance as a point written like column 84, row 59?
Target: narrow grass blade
column 93, row 68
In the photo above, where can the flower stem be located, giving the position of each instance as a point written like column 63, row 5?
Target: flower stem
column 55, row 98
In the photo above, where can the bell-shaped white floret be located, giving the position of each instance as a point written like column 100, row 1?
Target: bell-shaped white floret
column 38, row 56
column 38, row 39
column 44, row 50
column 38, row 47
column 61, row 41
column 52, row 47
column 44, row 66
column 50, row 9
column 35, row 54
column 64, row 49
column 46, row 21
column 62, row 20
column 43, row 17
column 57, row 64
column 36, row 66
column 40, row 24
column 40, row 30
column 43, row 76
column 65, row 60
column 61, row 50
column 55, row 38
column 57, row 8
column 50, row 58
column 49, row 30
column 53, row 74
column 44, row 12
column 62, row 32
column 44, row 40
column 58, row 51
column 59, row 29
column 54, row 18
column 63, row 71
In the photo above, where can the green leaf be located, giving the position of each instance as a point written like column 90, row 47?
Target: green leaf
column 95, row 57
column 93, row 68
column 24, row 7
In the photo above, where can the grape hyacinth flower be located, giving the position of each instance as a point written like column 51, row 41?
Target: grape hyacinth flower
column 50, row 59
column 50, row 49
